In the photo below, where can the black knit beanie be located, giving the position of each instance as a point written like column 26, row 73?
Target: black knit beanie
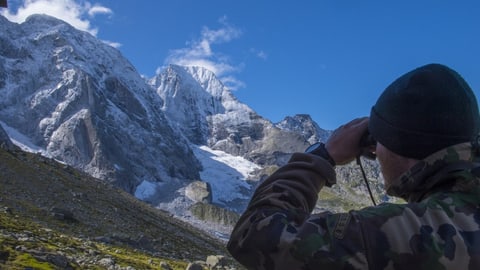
column 424, row 111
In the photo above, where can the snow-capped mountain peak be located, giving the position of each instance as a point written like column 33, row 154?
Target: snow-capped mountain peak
column 304, row 124
column 194, row 98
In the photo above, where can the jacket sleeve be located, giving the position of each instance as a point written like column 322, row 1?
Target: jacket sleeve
column 277, row 230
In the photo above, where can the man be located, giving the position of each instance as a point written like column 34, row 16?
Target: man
column 426, row 125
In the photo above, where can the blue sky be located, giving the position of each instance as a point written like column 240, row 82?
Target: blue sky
column 329, row 59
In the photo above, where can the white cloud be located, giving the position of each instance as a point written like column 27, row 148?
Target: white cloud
column 112, row 43
column 70, row 11
column 233, row 83
column 200, row 53
column 97, row 9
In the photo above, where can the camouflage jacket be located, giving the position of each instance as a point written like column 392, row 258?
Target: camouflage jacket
column 438, row 227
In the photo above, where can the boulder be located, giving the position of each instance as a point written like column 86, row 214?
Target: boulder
column 216, row 262
column 199, row 191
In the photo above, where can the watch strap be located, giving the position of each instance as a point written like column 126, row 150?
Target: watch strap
column 322, row 151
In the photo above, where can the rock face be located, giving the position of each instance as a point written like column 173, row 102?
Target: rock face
column 199, row 191
column 81, row 102
column 214, row 214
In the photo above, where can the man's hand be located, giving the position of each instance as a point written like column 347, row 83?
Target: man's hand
column 344, row 143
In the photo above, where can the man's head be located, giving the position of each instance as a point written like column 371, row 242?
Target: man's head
column 420, row 113
column 424, row 111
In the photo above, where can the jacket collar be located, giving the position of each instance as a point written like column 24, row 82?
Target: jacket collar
column 441, row 170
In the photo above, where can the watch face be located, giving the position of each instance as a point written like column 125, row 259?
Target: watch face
column 312, row 147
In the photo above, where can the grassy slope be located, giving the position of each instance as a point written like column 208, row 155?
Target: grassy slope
column 108, row 223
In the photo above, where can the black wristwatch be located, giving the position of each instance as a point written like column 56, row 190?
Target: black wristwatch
column 320, row 150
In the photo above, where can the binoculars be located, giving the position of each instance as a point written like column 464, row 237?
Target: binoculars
column 366, row 143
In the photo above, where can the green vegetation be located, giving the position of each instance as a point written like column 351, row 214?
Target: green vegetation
column 27, row 260
column 24, row 243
